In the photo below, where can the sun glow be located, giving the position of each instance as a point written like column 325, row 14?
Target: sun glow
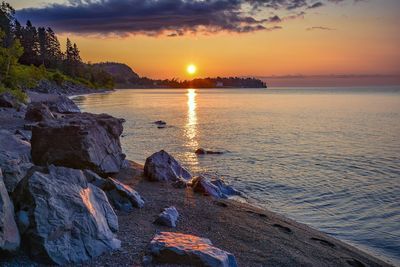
column 191, row 69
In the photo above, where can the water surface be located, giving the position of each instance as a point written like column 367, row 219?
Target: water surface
column 326, row 157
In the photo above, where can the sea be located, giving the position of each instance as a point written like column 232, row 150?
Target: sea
column 326, row 157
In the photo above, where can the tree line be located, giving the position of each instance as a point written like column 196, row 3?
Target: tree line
column 40, row 47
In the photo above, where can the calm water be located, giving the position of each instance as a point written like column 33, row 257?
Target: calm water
column 326, row 157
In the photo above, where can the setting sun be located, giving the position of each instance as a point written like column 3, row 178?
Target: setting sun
column 191, row 69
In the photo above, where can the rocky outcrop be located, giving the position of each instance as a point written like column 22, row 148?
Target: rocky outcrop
column 202, row 151
column 64, row 219
column 15, row 158
column 7, row 100
column 81, row 141
column 168, row 217
column 38, row 112
column 163, row 167
column 215, row 188
column 188, row 250
column 9, row 235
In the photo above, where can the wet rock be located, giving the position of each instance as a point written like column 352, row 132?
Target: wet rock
column 9, row 234
column 163, row 167
column 182, row 249
column 38, row 112
column 121, row 196
column 168, row 217
column 67, row 220
column 80, row 141
column 215, row 188
column 15, row 158
column 202, row 151
column 7, row 100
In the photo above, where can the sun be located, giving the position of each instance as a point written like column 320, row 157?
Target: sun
column 191, row 69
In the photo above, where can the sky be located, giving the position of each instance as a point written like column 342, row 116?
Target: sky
column 159, row 38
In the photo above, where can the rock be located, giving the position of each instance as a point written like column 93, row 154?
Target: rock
column 67, row 220
column 25, row 135
column 121, row 196
column 202, row 151
column 80, row 141
column 182, row 249
column 9, row 235
column 168, row 217
column 160, row 123
column 215, row 188
column 38, row 112
column 163, row 167
column 62, row 104
column 7, row 100
column 15, row 158
column 225, row 189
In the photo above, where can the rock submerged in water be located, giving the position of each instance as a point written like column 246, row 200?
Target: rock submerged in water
column 202, row 151
column 161, row 166
column 188, row 250
column 67, row 220
column 81, row 141
column 168, row 217
column 15, row 158
column 9, row 234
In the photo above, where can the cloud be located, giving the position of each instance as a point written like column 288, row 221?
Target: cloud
column 163, row 17
column 320, row 28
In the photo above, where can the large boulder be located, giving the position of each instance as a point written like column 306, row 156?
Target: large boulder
column 121, row 196
column 7, row 100
column 81, row 141
column 168, row 217
column 63, row 218
column 38, row 112
column 9, row 235
column 62, row 104
column 188, row 250
column 161, row 166
column 215, row 188
column 15, row 158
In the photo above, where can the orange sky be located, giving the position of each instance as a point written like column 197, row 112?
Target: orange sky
column 364, row 40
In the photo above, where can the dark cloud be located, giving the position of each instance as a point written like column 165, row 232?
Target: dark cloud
column 167, row 17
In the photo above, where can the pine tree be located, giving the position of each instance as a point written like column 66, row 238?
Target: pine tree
column 30, row 43
column 53, row 49
column 7, row 13
column 43, row 46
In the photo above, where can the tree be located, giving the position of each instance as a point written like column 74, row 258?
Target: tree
column 30, row 43
column 8, row 59
column 53, row 49
column 43, row 45
column 6, row 23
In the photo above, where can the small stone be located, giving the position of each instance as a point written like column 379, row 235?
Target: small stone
column 168, row 217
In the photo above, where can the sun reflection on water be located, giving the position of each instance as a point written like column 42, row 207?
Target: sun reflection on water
column 191, row 126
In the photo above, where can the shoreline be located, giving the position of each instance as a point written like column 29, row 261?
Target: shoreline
column 230, row 224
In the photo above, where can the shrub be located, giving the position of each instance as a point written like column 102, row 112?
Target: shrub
column 58, row 78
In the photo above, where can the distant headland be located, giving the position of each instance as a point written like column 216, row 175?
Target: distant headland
column 124, row 77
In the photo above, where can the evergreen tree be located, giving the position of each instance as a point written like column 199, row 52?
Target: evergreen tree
column 6, row 23
column 30, row 43
column 53, row 49
column 43, row 46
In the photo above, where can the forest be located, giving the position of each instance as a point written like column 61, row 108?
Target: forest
column 29, row 54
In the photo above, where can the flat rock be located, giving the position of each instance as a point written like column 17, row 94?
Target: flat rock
column 183, row 249
column 9, row 234
column 80, row 141
column 163, row 167
column 15, row 158
column 64, row 219
column 168, row 217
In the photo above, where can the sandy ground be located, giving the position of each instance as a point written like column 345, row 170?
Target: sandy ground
column 256, row 237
